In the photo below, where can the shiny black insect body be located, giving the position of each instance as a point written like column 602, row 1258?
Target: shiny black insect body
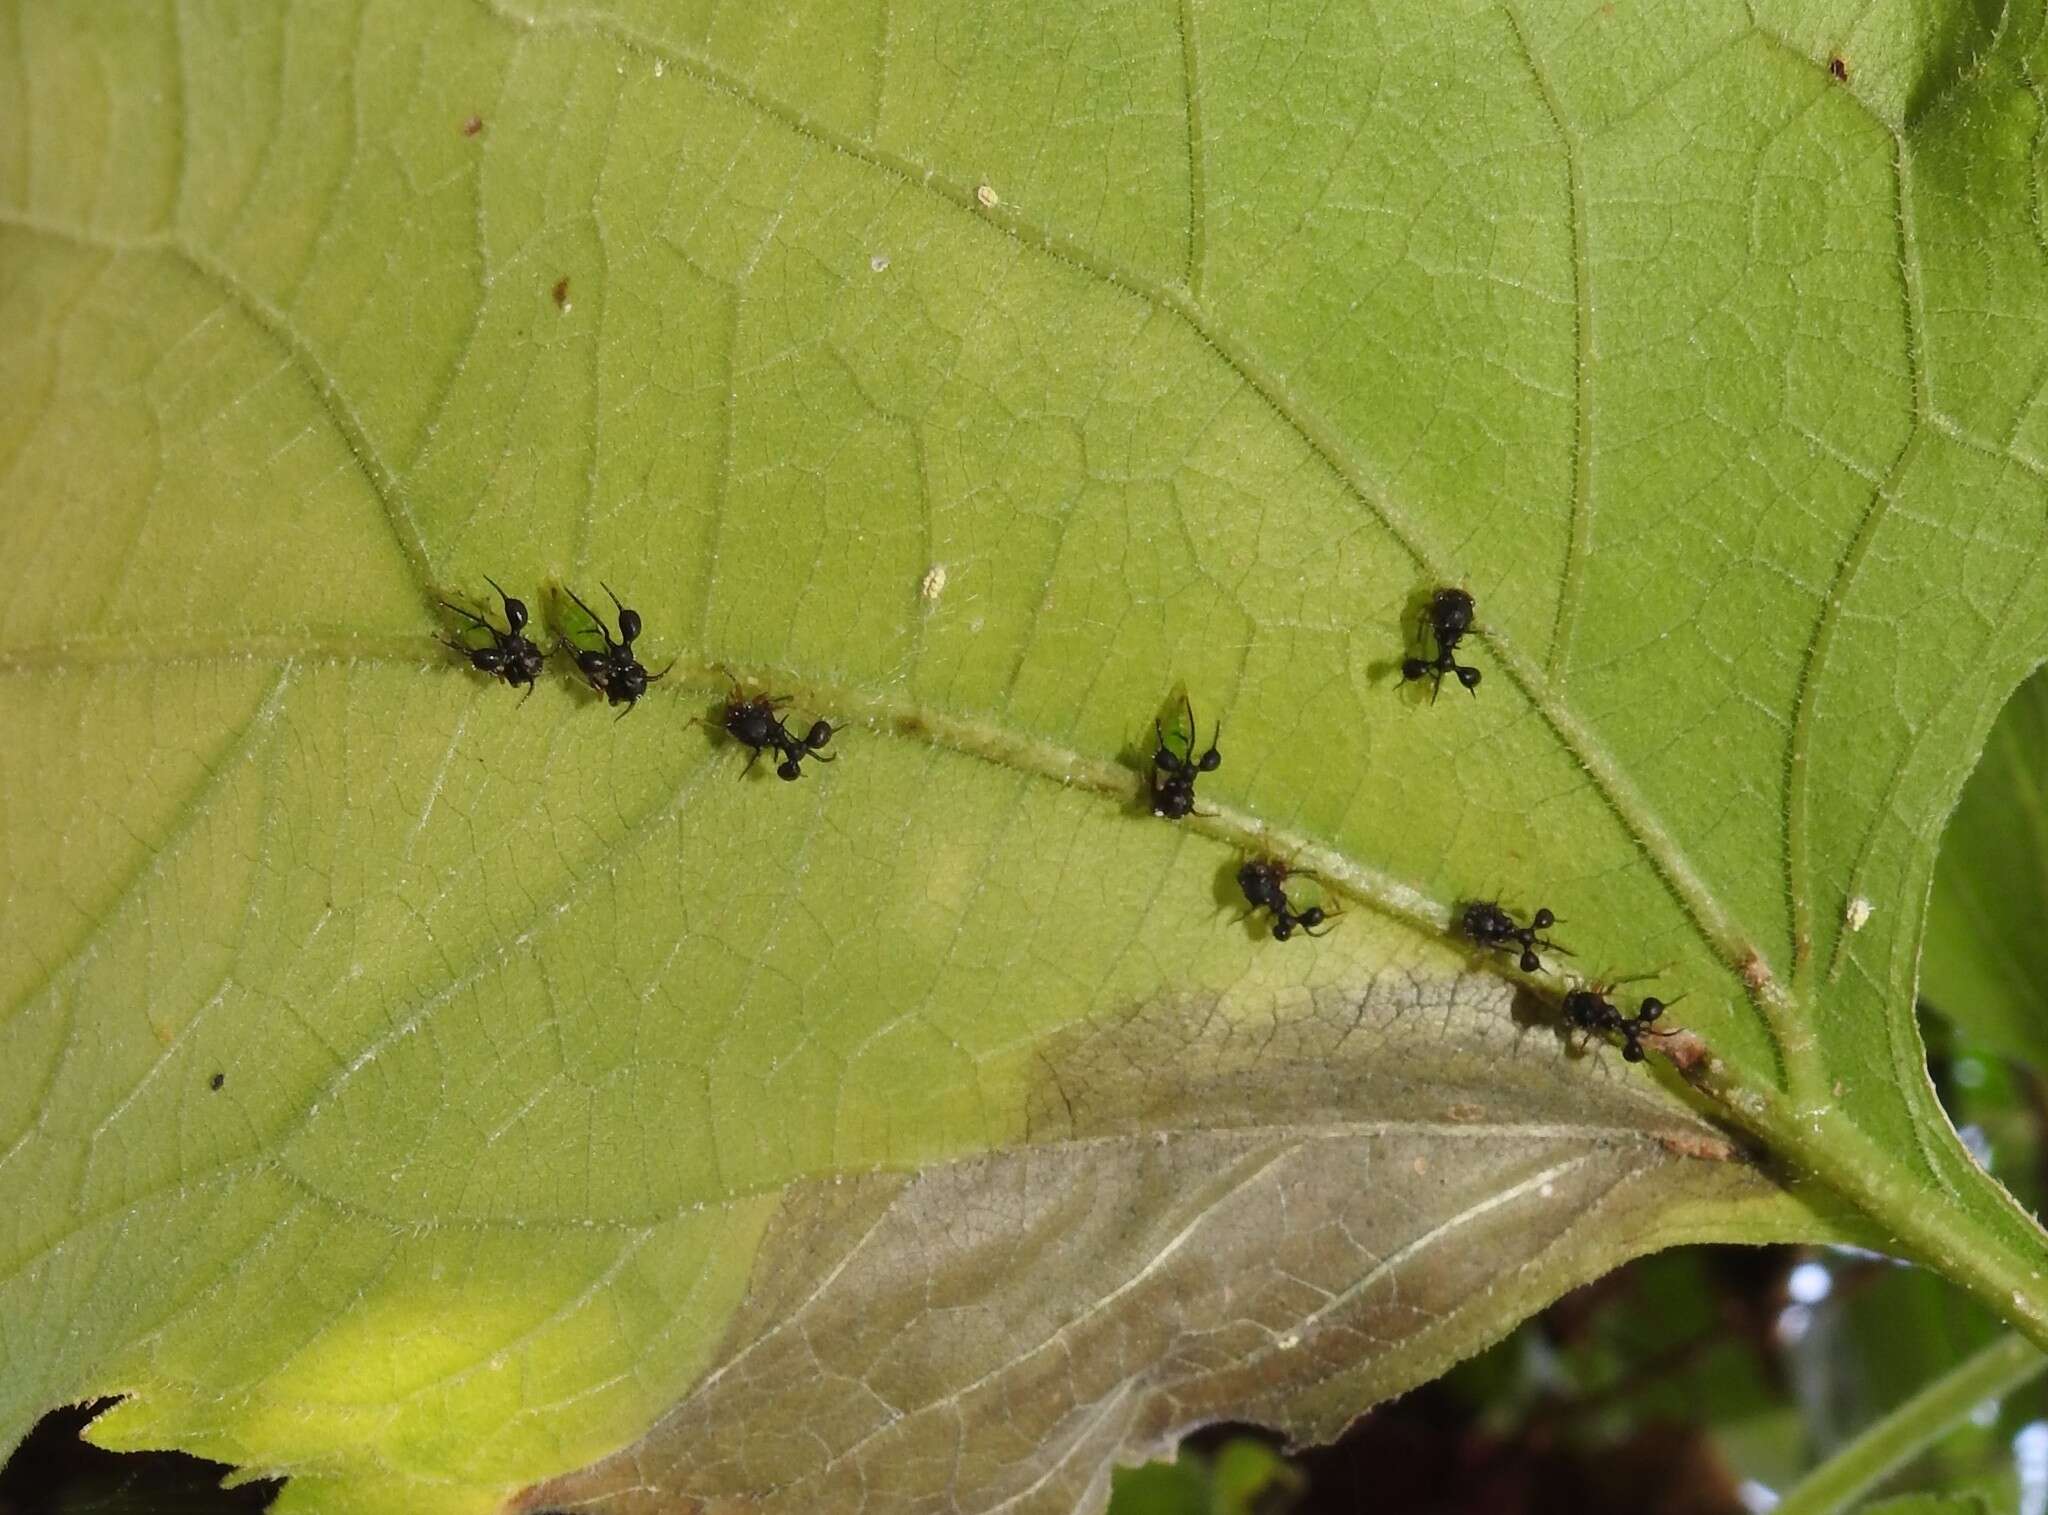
column 751, row 721
column 794, row 749
column 509, row 655
column 616, row 672
column 1264, row 881
column 1491, row 926
column 1174, row 773
column 1446, row 620
column 1588, row 1009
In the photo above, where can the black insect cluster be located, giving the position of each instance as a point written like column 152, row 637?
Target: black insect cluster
column 754, row 720
column 1586, row 1007
column 613, row 668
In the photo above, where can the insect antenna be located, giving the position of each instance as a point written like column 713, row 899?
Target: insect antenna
column 468, row 615
column 603, row 630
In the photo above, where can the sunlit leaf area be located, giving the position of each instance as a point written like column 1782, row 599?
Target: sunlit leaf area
column 1199, row 757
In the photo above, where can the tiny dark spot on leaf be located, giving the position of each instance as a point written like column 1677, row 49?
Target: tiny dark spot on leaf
column 561, row 291
column 472, row 126
column 1839, row 69
column 216, row 1081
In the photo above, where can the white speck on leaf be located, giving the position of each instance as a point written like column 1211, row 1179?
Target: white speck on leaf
column 934, row 583
column 1857, row 916
column 879, row 262
column 986, row 195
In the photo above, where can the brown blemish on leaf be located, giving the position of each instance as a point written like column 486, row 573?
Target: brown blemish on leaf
column 1702, row 1145
column 1243, row 1205
column 472, row 126
column 561, row 292
column 1754, row 973
column 1839, row 70
column 996, row 1333
column 1686, row 1051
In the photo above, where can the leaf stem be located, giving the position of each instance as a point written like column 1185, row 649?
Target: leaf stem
column 1894, row 1439
column 1928, row 1222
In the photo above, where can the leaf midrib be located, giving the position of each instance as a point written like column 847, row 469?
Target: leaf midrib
column 1710, row 920
column 1703, row 910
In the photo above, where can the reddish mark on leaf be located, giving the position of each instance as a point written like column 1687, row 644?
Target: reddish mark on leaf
column 472, row 126
column 1839, row 69
column 1711, row 1149
column 1754, row 972
column 561, row 291
column 1688, row 1054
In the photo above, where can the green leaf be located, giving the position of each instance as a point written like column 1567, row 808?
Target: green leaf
column 1245, row 1477
column 1907, row 1430
column 1985, row 964
column 928, row 1129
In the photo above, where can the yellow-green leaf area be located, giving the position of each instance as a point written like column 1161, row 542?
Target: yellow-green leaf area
column 457, row 1100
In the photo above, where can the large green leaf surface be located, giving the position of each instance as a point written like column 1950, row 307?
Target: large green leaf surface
column 1986, row 959
column 594, row 1126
